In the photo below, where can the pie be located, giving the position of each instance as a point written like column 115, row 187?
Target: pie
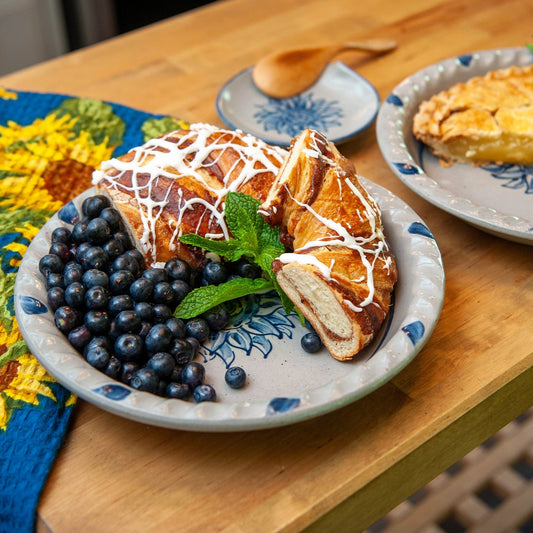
column 486, row 119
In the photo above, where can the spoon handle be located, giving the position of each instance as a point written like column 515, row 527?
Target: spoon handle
column 372, row 45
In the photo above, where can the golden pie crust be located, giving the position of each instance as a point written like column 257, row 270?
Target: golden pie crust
column 487, row 119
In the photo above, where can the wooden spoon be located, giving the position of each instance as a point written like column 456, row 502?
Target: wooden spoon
column 284, row 74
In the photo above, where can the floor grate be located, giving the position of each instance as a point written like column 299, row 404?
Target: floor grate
column 490, row 490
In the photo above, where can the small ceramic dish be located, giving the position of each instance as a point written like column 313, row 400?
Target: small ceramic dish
column 340, row 104
column 495, row 198
column 285, row 384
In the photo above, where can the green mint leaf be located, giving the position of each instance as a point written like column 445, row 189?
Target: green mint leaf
column 204, row 298
column 240, row 211
column 230, row 249
column 530, row 47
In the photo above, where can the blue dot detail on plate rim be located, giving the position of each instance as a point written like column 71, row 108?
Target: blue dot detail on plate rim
column 417, row 228
column 32, row 306
column 394, row 100
column 415, row 331
column 282, row 405
column 69, row 214
column 407, row 168
column 113, row 391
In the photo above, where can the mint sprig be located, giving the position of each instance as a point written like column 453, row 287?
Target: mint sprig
column 253, row 239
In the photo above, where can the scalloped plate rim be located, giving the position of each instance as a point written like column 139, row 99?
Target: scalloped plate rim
column 217, row 417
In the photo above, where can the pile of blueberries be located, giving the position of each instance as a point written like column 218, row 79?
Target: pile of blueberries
column 119, row 314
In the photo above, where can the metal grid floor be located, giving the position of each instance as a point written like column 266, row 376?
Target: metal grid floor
column 490, row 490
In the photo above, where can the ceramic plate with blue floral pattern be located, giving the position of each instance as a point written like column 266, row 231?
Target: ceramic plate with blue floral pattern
column 495, row 198
column 340, row 104
column 285, row 384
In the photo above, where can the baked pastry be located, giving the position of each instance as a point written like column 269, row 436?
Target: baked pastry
column 486, row 119
column 176, row 184
column 341, row 273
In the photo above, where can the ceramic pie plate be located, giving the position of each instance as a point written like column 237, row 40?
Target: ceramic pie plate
column 340, row 104
column 495, row 198
column 285, row 384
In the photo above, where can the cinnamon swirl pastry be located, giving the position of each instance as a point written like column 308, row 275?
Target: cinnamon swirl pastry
column 176, row 184
column 341, row 272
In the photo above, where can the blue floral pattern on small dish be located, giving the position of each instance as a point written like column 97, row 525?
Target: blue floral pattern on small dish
column 292, row 115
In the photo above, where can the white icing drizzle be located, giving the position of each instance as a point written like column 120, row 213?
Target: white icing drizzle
column 186, row 156
column 370, row 248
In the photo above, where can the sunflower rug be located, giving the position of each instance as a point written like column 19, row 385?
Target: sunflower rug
column 49, row 146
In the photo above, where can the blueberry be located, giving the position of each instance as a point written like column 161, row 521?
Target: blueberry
column 142, row 290
column 217, row 318
column 144, row 379
column 92, row 206
column 99, row 358
column 162, row 364
column 79, row 232
column 94, row 277
column 50, row 263
column 161, row 313
column 66, row 318
column 179, row 391
column 56, row 297
column 178, row 269
column 311, row 342
column 81, row 250
column 181, row 289
column 136, row 255
column 128, row 368
column 118, row 303
column 126, row 262
column 193, row 374
column 163, row 293
column 181, row 350
column 61, row 234
column 204, row 393
column 215, row 273
column 79, row 337
column 128, row 321
column 155, row 275
column 198, row 328
column 235, row 377
column 177, row 326
column 62, row 251
column 54, row 279
column 124, row 239
column 120, row 281
column 113, row 368
column 96, row 298
column 101, row 341
column 73, row 272
column 129, row 347
column 144, row 310
column 97, row 322
column 158, row 339
column 75, row 294
column 113, row 218
column 113, row 248
column 95, row 257
column 245, row 269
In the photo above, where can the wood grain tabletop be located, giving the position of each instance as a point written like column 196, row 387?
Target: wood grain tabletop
column 344, row 470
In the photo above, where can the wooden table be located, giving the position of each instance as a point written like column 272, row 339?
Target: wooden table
column 346, row 469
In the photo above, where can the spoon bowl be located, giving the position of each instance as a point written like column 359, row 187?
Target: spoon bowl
column 287, row 73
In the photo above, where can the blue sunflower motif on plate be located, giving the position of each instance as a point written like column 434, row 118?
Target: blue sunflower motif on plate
column 253, row 320
column 513, row 176
column 292, row 115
